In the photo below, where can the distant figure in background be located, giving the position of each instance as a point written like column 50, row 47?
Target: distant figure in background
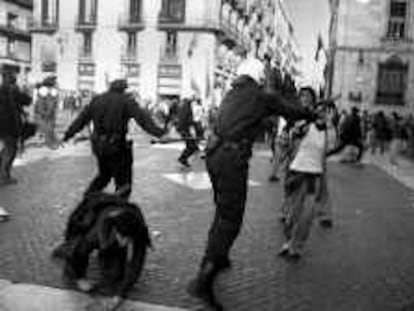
column 171, row 120
column 198, row 117
column 351, row 134
column 279, row 146
column 45, row 110
column 396, row 123
column 382, row 133
column 185, row 126
column 12, row 101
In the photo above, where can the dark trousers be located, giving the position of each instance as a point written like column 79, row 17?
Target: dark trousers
column 343, row 143
column 228, row 172
column 117, row 166
column 191, row 146
column 7, row 156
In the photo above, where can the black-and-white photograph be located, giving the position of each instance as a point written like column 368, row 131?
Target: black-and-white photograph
column 206, row 155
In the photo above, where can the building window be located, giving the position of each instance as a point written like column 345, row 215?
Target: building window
column 397, row 19
column 87, row 44
column 86, row 69
column 11, row 20
column 87, row 11
column 131, row 43
column 49, row 12
column 173, row 10
column 135, row 11
column 11, row 47
column 392, row 82
column 171, row 45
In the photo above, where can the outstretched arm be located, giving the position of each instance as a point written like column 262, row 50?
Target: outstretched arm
column 276, row 104
column 144, row 119
column 78, row 124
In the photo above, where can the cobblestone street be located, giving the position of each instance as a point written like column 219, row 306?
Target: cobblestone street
column 366, row 262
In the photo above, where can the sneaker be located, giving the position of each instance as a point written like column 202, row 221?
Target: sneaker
column 326, row 223
column 184, row 162
column 274, row 178
column 284, row 250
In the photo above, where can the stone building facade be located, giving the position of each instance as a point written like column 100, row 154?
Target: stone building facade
column 372, row 54
column 165, row 48
column 15, row 38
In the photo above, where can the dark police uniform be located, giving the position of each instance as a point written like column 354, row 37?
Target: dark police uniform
column 110, row 113
column 229, row 148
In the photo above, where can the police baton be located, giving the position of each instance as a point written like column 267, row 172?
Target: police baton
column 172, row 140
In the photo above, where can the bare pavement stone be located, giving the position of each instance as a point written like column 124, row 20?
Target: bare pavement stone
column 27, row 297
column 365, row 263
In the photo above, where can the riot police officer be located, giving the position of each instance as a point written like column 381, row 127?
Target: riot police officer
column 228, row 150
column 110, row 113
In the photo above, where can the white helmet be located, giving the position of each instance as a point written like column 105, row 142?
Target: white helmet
column 253, row 68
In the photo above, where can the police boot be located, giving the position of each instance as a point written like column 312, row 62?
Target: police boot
column 202, row 286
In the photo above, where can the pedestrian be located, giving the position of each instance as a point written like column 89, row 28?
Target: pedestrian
column 382, row 133
column 303, row 184
column 171, row 120
column 186, row 128
column 270, row 126
column 109, row 114
column 228, row 151
column 199, row 118
column 351, row 134
column 46, row 109
column 409, row 135
column 12, row 101
column 396, row 137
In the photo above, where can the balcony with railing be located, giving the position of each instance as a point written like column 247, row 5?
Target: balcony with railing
column 85, row 57
column 130, row 69
column 129, row 56
column 130, row 22
column 11, row 55
column 86, row 23
column 172, row 14
column 24, row 3
column 16, row 30
column 44, row 25
column 231, row 27
column 86, row 62
column 86, row 69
